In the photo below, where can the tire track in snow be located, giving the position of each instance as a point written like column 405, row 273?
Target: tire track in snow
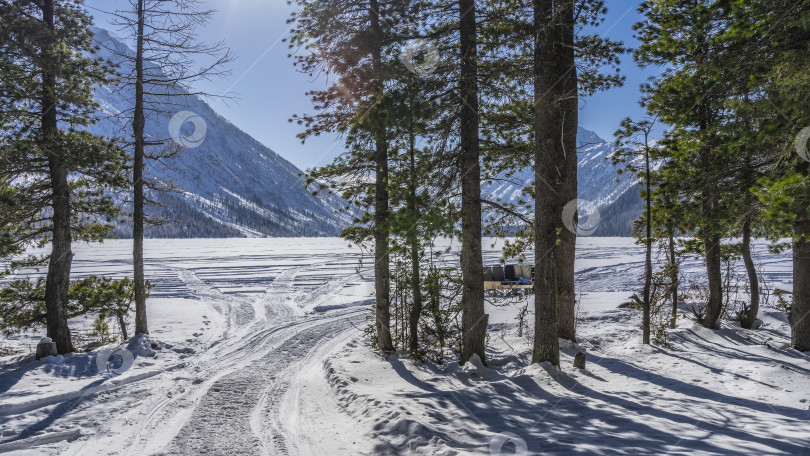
column 237, row 368
column 228, row 418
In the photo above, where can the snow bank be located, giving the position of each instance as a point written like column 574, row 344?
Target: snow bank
column 729, row 391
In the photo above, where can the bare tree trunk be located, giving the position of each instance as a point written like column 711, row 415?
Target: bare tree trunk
column 382, row 272
column 138, row 124
column 711, row 240
column 546, row 343
column 569, row 121
column 123, row 326
column 711, row 246
column 648, row 244
column 674, row 278
column 58, row 278
column 413, row 240
column 473, row 319
column 748, row 320
column 800, row 313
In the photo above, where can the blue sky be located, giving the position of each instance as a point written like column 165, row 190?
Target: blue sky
column 270, row 90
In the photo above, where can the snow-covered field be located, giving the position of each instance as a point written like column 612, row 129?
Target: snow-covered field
column 256, row 349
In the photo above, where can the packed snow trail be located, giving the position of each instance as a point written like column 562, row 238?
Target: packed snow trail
column 222, row 422
column 263, row 325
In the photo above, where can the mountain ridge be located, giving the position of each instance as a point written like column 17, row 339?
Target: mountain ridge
column 616, row 196
column 231, row 185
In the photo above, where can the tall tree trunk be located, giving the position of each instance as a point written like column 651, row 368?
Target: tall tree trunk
column 381, row 227
column 749, row 318
column 416, row 285
column 800, row 313
column 413, row 241
column 711, row 246
column 434, row 289
column 473, row 319
column 58, row 278
column 711, row 240
column 569, row 122
column 546, row 343
column 673, row 270
column 138, row 123
column 648, row 254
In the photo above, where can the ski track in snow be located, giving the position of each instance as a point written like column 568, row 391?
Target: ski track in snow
column 227, row 399
column 232, row 409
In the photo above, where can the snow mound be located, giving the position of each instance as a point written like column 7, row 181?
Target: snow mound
column 476, row 370
column 144, row 346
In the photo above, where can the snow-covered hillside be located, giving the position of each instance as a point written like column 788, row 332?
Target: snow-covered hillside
column 616, row 197
column 232, row 185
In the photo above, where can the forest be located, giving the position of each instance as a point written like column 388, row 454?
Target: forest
column 470, row 281
column 481, row 90
column 433, row 99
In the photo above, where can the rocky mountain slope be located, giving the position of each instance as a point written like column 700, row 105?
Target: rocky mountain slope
column 233, row 186
column 230, row 184
column 615, row 196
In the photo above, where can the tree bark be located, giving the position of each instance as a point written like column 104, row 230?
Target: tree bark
column 473, row 319
column 673, row 265
column 138, row 124
column 546, row 344
column 749, row 318
column 58, row 278
column 710, row 237
column 569, row 122
column 382, row 291
column 648, row 244
column 413, row 241
column 800, row 312
column 711, row 246
column 123, row 325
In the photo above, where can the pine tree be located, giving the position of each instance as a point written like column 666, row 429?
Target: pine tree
column 168, row 58
column 69, row 172
column 633, row 140
column 474, row 319
column 350, row 39
column 772, row 39
column 690, row 95
column 419, row 185
column 548, row 17
column 586, row 63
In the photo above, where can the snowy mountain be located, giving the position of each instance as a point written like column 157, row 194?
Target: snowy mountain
column 233, row 186
column 230, row 185
column 619, row 202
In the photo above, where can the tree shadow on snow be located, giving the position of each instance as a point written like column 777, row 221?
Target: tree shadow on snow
column 583, row 421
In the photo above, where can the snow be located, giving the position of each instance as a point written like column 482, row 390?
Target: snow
column 255, row 347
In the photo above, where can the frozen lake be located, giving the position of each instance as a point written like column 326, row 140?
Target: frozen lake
column 608, row 270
